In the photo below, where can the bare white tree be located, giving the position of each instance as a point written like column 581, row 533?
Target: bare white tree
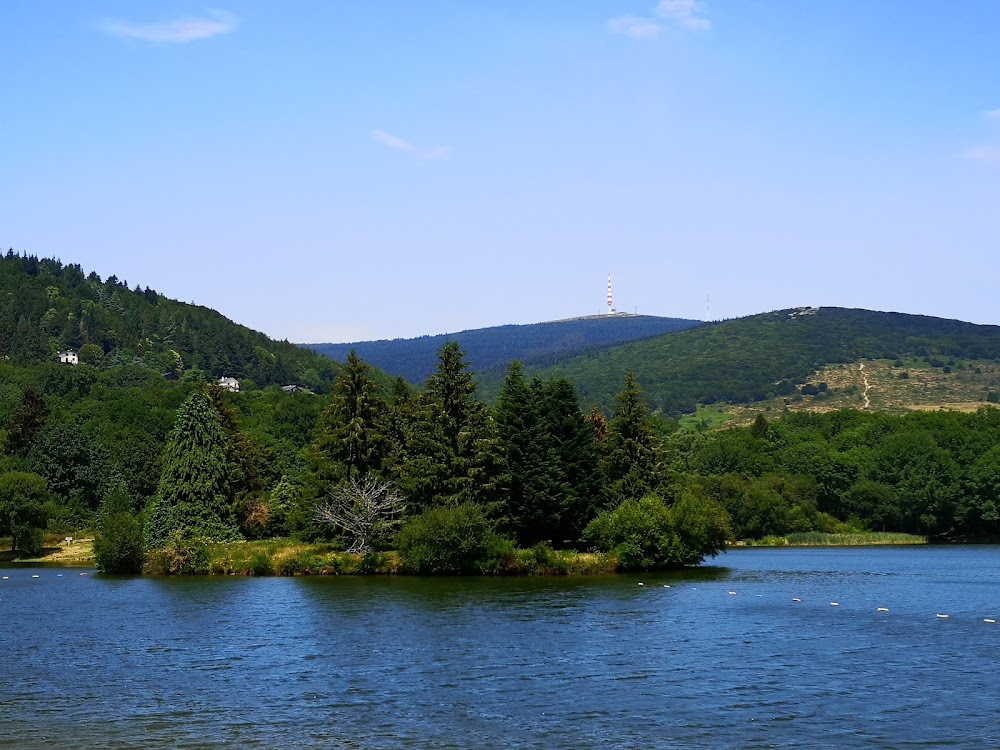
column 367, row 510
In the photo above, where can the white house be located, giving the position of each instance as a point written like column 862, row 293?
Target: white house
column 68, row 357
column 230, row 384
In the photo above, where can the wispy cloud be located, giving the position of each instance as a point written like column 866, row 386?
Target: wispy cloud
column 178, row 31
column 686, row 14
column 992, row 114
column 983, row 154
column 635, row 27
column 434, row 153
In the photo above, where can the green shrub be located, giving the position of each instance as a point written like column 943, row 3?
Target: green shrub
column 118, row 544
column 457, row 539
column 181, row 555
column 646, row 534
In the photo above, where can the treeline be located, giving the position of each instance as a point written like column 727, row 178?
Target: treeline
column 46, row 307
column 930, row 473
column 751, row 359
column 456, row 486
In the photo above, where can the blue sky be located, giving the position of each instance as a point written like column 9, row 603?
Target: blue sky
column 337, row 171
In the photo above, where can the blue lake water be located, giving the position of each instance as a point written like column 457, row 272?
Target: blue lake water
column 94, row 661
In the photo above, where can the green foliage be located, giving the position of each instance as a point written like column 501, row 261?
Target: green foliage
column 451, row 540
column 647, row 534
column 750, row 359
column 119, row 546
column 447, row 451
column 180, row 554
column 23, row 511
column 25, row 422
column 631, row 451
column 47, row 306
column 194, row 492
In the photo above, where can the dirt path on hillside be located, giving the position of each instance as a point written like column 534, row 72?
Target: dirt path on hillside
column 864, row 394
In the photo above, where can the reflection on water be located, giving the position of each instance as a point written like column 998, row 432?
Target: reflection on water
column 678, row 661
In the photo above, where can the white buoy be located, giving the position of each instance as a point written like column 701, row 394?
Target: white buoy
column 796, row 600
column 666, row 585
column 943, row 617
column 641, row 583
column 6, row 577
column 58, row 575
column 883, row 609
column 834, row 604
column 83, row 574
column 34, row 576
column 732, row 593
column 990, row 620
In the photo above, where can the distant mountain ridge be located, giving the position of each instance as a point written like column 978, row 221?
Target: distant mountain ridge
column 754, row 358
column 489, row 349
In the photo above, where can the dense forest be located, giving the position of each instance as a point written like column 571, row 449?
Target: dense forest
column 443, row 480
column 493, row 349
column 750, row 359
column 46, row 307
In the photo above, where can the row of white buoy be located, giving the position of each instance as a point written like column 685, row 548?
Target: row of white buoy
column 35, row 575
column 939, row 615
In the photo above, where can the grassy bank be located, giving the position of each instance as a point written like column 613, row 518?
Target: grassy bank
column 55, row 549
column 821, row 539
column 288, row 557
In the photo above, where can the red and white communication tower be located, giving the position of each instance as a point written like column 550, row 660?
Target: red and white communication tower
column 611, row 309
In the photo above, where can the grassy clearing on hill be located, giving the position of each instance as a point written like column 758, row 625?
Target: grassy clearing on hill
column 893, row 388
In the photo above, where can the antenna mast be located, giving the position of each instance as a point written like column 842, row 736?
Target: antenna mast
column 611, row 309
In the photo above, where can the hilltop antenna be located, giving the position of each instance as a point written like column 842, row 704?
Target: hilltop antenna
column 708, row 307
column 611, row 309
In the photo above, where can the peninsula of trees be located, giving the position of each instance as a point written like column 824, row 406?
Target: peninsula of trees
column 427, row 481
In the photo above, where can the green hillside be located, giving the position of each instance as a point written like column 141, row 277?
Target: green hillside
column 46, row 307
column 751, row 359
column 495, row 348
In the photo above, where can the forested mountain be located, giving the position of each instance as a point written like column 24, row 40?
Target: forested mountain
column 495, row 348
column 46, row 306
column 750, row 359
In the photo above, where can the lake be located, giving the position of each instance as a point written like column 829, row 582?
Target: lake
column 602, row 662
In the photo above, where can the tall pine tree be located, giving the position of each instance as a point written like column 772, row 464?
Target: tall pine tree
column 193, row 496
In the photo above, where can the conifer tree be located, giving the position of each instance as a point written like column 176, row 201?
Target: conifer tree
column 630, row 452
column 193, row 496
column 449, row 453
column 350, row 445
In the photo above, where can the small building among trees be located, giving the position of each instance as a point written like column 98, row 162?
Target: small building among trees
column 68, row 357
column 230, row 384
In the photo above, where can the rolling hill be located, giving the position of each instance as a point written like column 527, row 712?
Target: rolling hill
column 770, row 355
column 46, row 306
column 489, row 349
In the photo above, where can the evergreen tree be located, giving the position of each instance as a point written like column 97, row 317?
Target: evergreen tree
column 630, row 452
column 350, row 445
column 449, row 453
column 533, row 482
column 576, row 455
column 193, row 496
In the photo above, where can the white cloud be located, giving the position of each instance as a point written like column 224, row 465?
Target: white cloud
column 178, row 31
column 983, row 154
column 684, row 13
column 992, row 114
column 635, row 27
column 433, row 153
